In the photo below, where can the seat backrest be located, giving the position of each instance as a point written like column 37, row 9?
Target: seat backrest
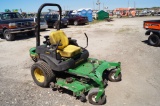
column 57, row 36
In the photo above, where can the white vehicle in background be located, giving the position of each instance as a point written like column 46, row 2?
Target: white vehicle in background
column 43, row 24
column 94, row 15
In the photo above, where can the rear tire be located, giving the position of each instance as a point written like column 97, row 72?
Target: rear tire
column 42, row 74
column 8, row 36
column 154, row 40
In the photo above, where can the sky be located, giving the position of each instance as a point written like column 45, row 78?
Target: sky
column 33, row 5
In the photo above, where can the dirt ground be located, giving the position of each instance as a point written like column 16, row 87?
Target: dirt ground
column 121, row 40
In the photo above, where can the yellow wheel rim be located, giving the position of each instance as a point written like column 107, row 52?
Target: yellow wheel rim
column 39, row 75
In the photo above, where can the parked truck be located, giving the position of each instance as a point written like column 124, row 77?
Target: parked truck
column 153, row 30
column 12, row 23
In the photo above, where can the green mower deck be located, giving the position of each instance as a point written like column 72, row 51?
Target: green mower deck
column 91, row 69
column 75, row 86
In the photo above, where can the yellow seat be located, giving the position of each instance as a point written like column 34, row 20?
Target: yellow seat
column 64, row 49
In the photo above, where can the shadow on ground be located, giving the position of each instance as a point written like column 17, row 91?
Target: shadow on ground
column 146, row 42
column 24, row 37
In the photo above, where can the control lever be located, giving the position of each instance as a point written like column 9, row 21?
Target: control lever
column 87, row 39
column 54, row 47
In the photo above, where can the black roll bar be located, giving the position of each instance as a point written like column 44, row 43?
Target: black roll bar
column 38, row 19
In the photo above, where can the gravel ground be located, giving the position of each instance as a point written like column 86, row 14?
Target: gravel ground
column 120, row 40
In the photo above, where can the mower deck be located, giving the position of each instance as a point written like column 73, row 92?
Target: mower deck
column 93, row 66
column 75, row 86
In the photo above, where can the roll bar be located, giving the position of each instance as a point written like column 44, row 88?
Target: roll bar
column 38, row 20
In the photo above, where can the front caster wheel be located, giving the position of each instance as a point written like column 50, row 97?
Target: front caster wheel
column 112, row 78
column 92, row 97
column 35, row 59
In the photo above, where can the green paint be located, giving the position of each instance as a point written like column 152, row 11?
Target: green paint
column 117, row 72
column 99, row 94
column 102, row 15
column 77, row 87
column 91, row 69
column 95, row 70
column 33, row 52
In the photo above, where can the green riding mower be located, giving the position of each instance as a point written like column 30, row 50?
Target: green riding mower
column 60, row 63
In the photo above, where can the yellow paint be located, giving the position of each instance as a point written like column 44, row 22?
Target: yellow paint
column 65, row 50
column 57, row 36
column 69, row 51
column 39, row 75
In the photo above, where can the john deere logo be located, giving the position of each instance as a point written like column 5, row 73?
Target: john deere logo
column 79, row 61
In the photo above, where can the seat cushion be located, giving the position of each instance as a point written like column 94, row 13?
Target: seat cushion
column 57, row 36
column 69, row 51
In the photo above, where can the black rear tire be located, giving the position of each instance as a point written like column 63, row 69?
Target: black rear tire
column 42, row 74
column 8, row 36
column 154, row 40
